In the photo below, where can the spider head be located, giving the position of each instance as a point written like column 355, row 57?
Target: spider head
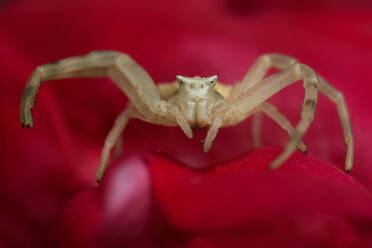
column 196, row 85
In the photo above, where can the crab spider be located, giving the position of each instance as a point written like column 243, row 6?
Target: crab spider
column 196, row 101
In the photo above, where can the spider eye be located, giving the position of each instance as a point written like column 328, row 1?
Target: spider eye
column 180, row 79
column 212, row 79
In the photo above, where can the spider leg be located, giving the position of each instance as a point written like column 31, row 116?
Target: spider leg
column 338, row 98
column 257, row 94
column 130, row 77
column 111, row 139
column 118, row 149
column 272, row 112
column 280, row 61
column 258, row 71
column 256, row 129
column 255, row 75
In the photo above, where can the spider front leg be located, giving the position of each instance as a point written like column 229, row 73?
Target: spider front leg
column 130, row 77
column 254, row 76
column 259, row 93
column 281, row 61
column 258, row 71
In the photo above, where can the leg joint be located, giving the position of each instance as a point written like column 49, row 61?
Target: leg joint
column 280, row 61
column 109, row 142
column 309, row 76
column 340, row 97
column 40, row 72
column 265, row 57
column 108, row 53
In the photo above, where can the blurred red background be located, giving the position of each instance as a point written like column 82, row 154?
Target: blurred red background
column 48, row 193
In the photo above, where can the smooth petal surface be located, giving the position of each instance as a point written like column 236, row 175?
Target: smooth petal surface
column 306, row 201
column 115, row 214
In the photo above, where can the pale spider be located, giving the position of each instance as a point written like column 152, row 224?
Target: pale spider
column 195, row 101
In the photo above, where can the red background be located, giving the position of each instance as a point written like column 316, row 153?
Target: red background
column 48, row 193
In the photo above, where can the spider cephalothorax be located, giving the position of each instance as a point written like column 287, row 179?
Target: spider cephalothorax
column 195, row 101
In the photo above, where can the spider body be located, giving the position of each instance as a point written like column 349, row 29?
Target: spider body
column 192, row 102
column 197, row 99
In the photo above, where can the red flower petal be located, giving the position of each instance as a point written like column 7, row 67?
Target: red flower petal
column 115, row 214
column 305, row 198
